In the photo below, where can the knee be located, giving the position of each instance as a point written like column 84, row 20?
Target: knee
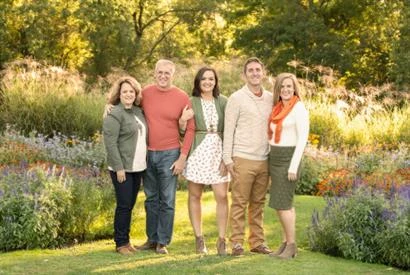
column 221, row 199
column 168, row 200
column 195, row 197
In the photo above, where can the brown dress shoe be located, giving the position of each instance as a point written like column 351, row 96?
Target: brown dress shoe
column 237, row 250
column 221, row 246
column 200, row 245
column 289, row 252
column 261, row 249
column 161, row 249
column 280, row 250
column 123, row 250
column 147, row 246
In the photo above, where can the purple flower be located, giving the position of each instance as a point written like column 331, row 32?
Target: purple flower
column 404, row 192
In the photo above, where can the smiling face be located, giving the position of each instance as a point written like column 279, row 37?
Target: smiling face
column 287, row 90
column 254, row 74
column 127, row 95
column 207, row 82
column 163, row 75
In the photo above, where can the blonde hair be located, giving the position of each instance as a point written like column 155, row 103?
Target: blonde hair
column 278, row 84
column 114, row 96
column 165, row 62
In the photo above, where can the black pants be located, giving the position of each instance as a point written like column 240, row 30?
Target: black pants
column 126, row 196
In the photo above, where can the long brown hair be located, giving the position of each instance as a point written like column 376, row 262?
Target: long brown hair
column 196, row 91
column 278, row 84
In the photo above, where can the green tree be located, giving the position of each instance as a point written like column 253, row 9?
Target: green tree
column 354, row 37
column 400, row 56
column 44, row 30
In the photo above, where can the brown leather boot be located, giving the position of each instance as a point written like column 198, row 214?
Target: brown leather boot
column 123, row 250
column 147, row 246
column 221, row 246
column 290, row 252
column 200, row 245
column 279, row 251
column 131, row 248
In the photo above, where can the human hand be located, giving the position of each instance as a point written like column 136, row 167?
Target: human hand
column 187, row 114
column 230, row 169
column 292, row 176
column 121, row 176
column 107, row 109
column 222, row 169
column 178, row 166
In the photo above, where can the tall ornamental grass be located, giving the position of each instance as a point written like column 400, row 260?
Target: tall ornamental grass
column 343, row 127
column 48, row 99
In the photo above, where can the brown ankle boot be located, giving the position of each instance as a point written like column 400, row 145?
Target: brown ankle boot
column 221, row 246
column 279, row 251
column 200, row 245
column 289, row 252
column 123, row 250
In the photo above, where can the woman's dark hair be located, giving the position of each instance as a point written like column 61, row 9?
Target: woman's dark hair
column 196, row 91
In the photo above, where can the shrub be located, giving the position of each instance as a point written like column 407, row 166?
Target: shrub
column 316, row 165
column 31, row 206
column 312, row 173
column 43, row 207
column 359, row 227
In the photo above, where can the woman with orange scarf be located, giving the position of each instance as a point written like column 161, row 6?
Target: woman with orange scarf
column 288, row 135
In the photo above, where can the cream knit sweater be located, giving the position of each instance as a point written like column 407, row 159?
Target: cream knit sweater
column 246, row 125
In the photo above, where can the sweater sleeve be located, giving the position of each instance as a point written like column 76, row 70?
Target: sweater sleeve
column 302, row 131
column 231, row 118
column 189, row 133
column 111, row 130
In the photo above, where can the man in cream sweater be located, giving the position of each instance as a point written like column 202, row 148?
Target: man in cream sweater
column 245, row 153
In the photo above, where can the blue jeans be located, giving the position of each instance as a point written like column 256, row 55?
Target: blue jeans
column 160, row 189
column 126, row 195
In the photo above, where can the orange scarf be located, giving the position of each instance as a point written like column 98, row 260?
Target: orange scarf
column 279, row 112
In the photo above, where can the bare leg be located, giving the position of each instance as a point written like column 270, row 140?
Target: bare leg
column 221, row 198
column 194, row 207
column 288, row 219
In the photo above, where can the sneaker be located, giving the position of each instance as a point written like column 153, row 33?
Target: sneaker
column 237, row 250
column 147, row 246
column 161, row 249
column 221, row 246
column 261, row 249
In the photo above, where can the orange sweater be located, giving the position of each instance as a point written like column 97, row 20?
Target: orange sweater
column 162, row 111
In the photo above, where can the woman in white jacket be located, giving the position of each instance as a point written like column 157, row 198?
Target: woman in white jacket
column 288, row 135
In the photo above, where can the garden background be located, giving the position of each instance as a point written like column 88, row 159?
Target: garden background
column 59, row 58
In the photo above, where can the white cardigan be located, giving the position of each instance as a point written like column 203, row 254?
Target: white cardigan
column 295, row 132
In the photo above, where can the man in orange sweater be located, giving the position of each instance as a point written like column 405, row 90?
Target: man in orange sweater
column 163, row 105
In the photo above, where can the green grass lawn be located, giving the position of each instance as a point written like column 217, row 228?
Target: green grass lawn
column 99, row 257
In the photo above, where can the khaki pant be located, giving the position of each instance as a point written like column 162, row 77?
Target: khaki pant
column 248, row 189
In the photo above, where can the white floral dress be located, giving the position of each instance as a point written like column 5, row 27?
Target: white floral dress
column 203, row 164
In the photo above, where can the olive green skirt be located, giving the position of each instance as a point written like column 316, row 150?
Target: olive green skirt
column 281, row 190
